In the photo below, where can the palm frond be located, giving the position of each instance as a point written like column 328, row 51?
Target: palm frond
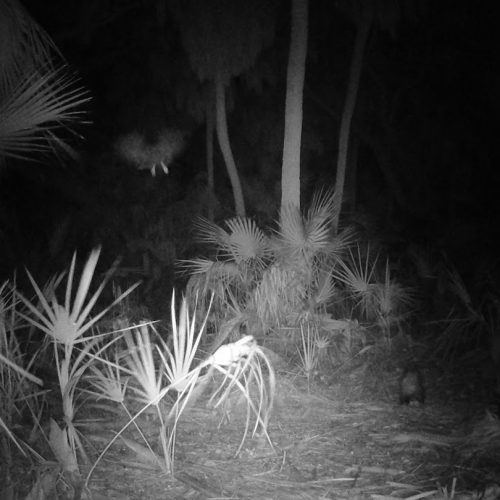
column 325, row 288
column 291, row 236
column 359, row 273
column 323, row 206
column 209, row 232
column 41, row 105
column 341, row 243
column 243, row 243
column 310, row 235
column 309, row 354
column 459, row 289
column 319, row 219
column 281, row 291
column 24, row 45
column 247, row 242
column 394, row 301
column 359, row 276
column 140, row 364
column 180, row 357
column 211, row 275
column 67, row 323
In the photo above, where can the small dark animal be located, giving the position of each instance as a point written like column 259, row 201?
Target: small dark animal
column 411, row 385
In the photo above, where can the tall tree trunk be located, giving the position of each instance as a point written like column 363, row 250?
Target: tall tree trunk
column 209, row 146
column 290, row 170
column 225, row 146
column 352, row 171
column 363, row 29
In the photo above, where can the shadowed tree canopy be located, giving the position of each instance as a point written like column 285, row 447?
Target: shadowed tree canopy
column 224, row 37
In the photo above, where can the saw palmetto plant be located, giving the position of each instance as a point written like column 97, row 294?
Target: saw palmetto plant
column 141, row 367
column 359, row 275
column 16, row 380
column 309, row 351
column 276, row 275
column 22, row 395
column 68, row 327
column 394, row 302
column 157, row 371
column 375, row 294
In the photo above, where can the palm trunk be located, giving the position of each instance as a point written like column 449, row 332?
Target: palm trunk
column 209, row 145
column 350, row 102
column 352, row 172
column 225, row 146
column 290, row 171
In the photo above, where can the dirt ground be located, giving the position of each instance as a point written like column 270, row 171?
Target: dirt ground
column 329, row 441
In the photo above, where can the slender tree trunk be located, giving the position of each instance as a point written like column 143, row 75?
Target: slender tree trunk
column 362, row 32
column 225, row 146
column 290, row 171
column 352, row 171
column 209, row 145
column 386, row 148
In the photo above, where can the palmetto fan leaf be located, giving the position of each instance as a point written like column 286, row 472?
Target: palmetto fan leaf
column 324, row 289
column 323, row 206
column 24, row 45
column 37, row 96
column 67, row 323
column 359, row 276
column 359, row 273
column 209, row 232
column 292, row 237
column 244, row 242
column 319, row 219
column 341, row 243
column 308, row 235
column 209, row 277
column 38, row 107
column 212, row 270
column 395, row 297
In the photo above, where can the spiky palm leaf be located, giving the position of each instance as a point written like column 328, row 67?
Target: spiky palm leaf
column 210, row 277
column 280, row 293
column 359, row 276
column 219, row 270
column 244, row 242
column 24, row 45
column 394, row 301
column 14, row 368
column 179, row 360
column 322, row 207
column 340, row 244
column 323, row 289
column 304, row 237
column 36, row 109
column 211, row 233
column 247, row 242
column 396, row 298
column 37, row 96
column 67, row 323
column 140, row 363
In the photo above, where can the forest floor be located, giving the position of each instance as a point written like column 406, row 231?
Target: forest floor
column 346, row 438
